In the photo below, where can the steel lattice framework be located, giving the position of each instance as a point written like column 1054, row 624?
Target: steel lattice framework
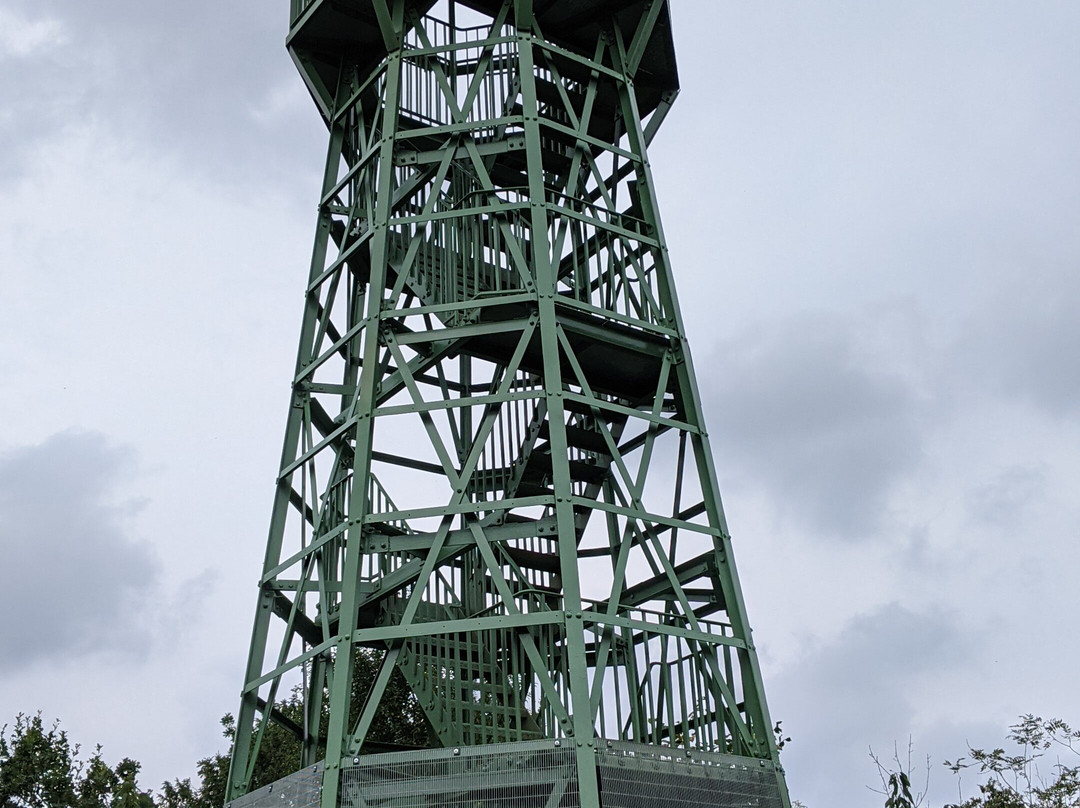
column 496, row 475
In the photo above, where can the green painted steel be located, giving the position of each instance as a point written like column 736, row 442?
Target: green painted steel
column 496, row 479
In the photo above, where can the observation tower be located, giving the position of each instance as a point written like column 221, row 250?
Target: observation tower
column 498, row 573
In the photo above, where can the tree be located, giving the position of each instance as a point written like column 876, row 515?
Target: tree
column 896, row 783
column 1030, row 778
column 37, row 767
column 41, row 768
column 213, row 774
column 1042, row 772
column 399, row 722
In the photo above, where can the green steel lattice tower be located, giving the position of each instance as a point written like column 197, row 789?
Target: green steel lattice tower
column 496, row 484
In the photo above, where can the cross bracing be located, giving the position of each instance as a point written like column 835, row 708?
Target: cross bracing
column 495, row 474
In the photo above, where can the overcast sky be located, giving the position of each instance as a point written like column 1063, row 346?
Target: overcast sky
column 872, row 210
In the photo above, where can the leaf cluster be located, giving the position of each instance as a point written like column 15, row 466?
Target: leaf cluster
column 896, row 782
column 41, row 768
column 1042, row 772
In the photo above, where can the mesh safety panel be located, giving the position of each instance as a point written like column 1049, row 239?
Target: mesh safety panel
column 636, row 776
column 537, row 774
column 300, row 789
column 512, row 775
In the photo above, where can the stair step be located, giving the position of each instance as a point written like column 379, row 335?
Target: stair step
column 528, row 489
column 540, row 462
column 578, row 438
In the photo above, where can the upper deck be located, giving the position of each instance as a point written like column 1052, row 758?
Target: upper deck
column 323, row 33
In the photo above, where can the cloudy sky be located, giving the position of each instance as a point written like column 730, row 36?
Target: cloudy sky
column 872, row 209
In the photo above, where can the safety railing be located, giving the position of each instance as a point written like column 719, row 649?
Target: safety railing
column 298, row 7
column 606, row 259
column 466, row 255
column 657, row 688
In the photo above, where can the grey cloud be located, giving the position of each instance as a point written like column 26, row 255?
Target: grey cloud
column 38, row 95
column 1022, row 342
column 75, row 579
column 1004, row 500
column 863, row 689
column 193, row 79
column 827, row 434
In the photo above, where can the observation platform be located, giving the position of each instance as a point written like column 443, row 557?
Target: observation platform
column 323, row 32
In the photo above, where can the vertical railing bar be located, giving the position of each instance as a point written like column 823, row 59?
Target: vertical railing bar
column 685, row 720
column 698, row 713
column 650, row 695
column 669, row 695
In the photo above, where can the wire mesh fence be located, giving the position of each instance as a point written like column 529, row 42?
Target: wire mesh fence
column 639, row 776
column 540, row 774
column 512, row 775
column 302, row 789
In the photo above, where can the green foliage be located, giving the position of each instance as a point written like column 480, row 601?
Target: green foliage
column 896, row 780
column 125, row 790
column 41, row 768
column 279, row 754
column 899, row 795
column 399, row 720
column 781, row 739
column 1044, row 772
column 213, row 776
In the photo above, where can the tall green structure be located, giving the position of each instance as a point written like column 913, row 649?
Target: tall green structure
column 497, row 507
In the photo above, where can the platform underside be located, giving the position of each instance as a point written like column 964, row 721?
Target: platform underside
column 534, row 774
column 323, row 30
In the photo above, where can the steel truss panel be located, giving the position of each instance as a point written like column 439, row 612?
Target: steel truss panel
column 496, row 486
